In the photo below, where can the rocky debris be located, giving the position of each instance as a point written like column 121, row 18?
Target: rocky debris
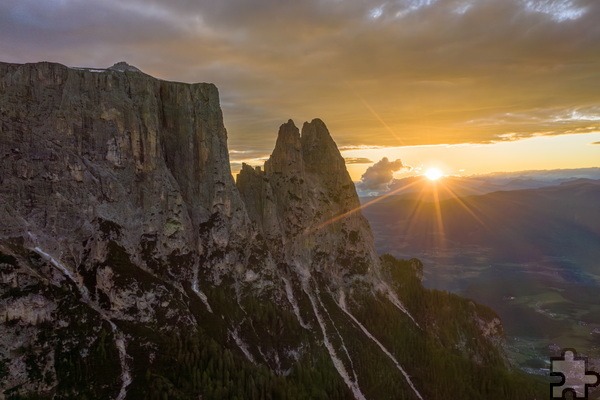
column 31, row 309
column 491, row 329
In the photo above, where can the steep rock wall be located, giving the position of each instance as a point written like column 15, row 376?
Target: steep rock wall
column 149, row 155
column 307, row 206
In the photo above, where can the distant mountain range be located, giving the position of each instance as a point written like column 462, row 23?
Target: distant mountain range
column 518, row 225
column 452, row 186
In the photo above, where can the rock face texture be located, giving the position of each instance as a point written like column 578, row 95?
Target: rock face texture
column 306, row 205
column 108, row 176
column 132, row 266
column 80, row 147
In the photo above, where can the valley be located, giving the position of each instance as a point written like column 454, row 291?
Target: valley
column 531, row 255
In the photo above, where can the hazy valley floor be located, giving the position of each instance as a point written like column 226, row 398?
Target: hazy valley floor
column 531, row 255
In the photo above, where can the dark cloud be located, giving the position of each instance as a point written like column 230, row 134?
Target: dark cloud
column 381, row 73
column 379, row 175
column 595, row 143
column 357, row 160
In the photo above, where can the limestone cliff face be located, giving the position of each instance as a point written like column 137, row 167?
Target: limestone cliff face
column 259, row 201
column 117, row 204
column 307, row 206
column 80, row 146
column 82, row 150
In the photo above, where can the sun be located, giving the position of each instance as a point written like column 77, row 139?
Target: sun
column 433, row 174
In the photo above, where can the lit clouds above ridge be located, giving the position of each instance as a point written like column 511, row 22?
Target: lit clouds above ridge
column 384, row 73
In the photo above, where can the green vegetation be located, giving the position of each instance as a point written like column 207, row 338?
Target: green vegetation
column 196, row 364
column 452, row 353
column 447, row 358
column 91, row 376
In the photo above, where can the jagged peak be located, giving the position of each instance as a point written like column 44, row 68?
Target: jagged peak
column 317, row 124
column 246, row 167
column 123, row 66
column 316, row 130
column 287, row 154
column 313, row 149
column 319, row 151
column 288, row 132
column 249, row 169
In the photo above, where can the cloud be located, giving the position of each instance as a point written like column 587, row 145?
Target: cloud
column 357, row 160
column 382, row 73
column 595, row 143
column 378, row 176
column 358, row 147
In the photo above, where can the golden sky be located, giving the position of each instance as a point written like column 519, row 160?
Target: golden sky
column 379, row 73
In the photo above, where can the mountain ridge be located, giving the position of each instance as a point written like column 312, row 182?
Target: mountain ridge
column 130, row 266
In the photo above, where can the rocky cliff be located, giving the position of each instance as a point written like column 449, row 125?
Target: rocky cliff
column 106, row 163
column 305, row 204
column 132, row 266
column 83, row 148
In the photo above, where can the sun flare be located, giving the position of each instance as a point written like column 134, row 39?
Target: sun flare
column 433, row 174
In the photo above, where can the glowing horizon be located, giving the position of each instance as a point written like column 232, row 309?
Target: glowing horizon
column 379, row 74
column 536, row 153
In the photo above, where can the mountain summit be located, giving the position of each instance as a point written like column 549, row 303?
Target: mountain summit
column 122, row 66
column 306, row 205
column 133, row 266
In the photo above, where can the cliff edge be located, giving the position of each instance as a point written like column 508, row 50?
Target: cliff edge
column 132, row 266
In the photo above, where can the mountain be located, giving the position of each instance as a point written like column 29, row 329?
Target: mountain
column 296, row 203
column 133, row 266
column 517, row 225
column 532, row 255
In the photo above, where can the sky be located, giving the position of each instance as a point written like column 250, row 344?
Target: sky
column 475, row 85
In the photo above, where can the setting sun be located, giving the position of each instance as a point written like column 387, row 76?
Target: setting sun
column 433, row 174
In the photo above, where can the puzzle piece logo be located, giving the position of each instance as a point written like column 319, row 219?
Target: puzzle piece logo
column 575, row 376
